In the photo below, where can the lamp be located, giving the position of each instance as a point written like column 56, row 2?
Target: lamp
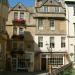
column 50, row 50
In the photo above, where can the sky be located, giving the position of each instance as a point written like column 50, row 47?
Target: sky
column 25, row 2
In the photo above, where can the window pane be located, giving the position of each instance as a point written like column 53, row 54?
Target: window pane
column 14, row 30
column 56, row 9
column 40, row 41
column 15, row 15
column 52, row 44
column 21, row 32
column 74, row 29
column 55, row 61
column 45, row 8
column 22, row 15
column 74, row 10
column 40, row 24
column 52, row 24
column 62, row 41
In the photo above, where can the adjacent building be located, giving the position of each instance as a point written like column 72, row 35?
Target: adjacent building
column 21, row 30
column 3, row 34
column 70, row 23
column 51, row 46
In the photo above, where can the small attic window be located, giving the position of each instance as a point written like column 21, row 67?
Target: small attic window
column 50, row 1
column 19, row 7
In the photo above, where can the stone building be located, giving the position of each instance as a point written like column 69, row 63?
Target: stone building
column 50, row 34
column 70, row 23
column 38, row 36
column 3, row 34
column 21, row 29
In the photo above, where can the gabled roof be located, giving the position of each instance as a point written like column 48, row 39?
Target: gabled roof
column 53, row 2
column 49, row 2
column 20, row 6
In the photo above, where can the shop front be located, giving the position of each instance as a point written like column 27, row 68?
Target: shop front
column 22, row 62
column 55, row 60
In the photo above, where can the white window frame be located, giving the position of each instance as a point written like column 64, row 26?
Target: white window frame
column 21, row 15
column 40, row 41
column 16, row 15
column 45, row 8
column 40, row 24
column 63, row 42
column 52, row 24
column 21, row 32
column 52, row 42
column 56, row 61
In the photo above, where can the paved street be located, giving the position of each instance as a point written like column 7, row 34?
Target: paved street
column 22, row 73
column 31, row 73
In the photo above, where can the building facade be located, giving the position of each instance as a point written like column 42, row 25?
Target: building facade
column 40, row 36
column 3, row 34
column 50, row 36
column 70, row 22
column 21, row 29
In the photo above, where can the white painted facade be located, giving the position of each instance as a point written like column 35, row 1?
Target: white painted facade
column 70, row 20
column 46, row 40
column 44, row 51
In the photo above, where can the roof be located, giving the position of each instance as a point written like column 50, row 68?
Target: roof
column 48, row 2
column 70, row 2
column 29, row 9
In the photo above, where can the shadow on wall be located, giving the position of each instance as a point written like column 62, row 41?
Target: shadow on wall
column 29, row 45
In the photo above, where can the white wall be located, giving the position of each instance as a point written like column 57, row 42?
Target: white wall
column 70, row 19
column 46, row 40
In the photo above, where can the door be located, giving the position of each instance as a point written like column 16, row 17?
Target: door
column 21, row 64
column 43, row 64
column 14, row 64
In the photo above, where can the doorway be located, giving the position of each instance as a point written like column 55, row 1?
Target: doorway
column 43, row 64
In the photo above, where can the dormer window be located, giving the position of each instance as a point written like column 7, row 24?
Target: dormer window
column 19, row 7
column 50, row 1
column 56, row 9
column 45, row 8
